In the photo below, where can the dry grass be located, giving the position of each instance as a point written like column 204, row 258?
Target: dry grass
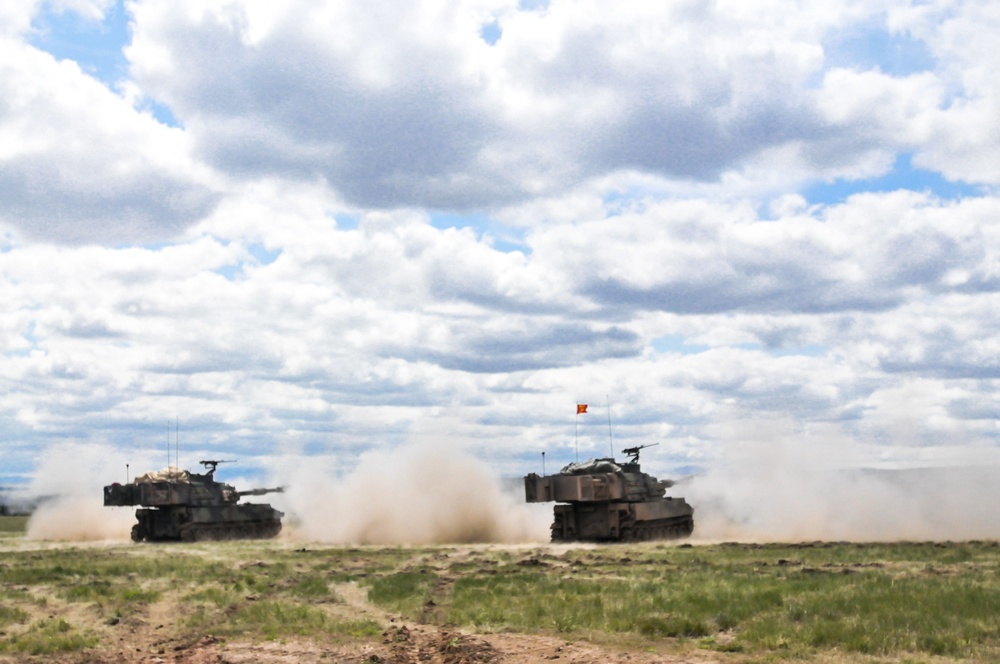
column 725, row 602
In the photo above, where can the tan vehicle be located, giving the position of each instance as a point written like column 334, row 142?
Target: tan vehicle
column 603, row 501
column 179, row 505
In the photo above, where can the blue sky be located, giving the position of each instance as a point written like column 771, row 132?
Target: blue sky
column 312, row 230
column 96, row 46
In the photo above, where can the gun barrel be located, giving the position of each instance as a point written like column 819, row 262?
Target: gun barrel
column 261, row 492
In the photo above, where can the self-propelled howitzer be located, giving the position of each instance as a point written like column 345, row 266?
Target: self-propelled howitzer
column 604, row 501
column 180, row 505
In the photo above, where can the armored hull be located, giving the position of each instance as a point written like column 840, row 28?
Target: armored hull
column 176, row 505
column 198, row 524
column 602, row 501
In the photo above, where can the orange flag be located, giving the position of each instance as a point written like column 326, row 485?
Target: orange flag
column 581, row 408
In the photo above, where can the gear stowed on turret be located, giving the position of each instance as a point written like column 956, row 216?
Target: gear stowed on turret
column 603, row 501
column 179, row 505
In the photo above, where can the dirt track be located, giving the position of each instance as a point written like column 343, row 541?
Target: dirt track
column 402, row 642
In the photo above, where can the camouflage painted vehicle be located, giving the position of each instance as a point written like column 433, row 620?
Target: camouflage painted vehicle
column 603, row 501
column 179, row 505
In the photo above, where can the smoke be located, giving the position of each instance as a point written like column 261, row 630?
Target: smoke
column 417, row 494
column 803, row 488
column 69, row 483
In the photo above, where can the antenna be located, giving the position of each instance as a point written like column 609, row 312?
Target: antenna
column 611, row 442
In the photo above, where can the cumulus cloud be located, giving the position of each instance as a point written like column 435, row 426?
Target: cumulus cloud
column 411, row 106
column 696, row 257
column 80, row 164
column 960, row 135
column 338, row 336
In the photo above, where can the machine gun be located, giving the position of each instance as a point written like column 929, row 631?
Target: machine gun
column 211, row 464
column 634, row 452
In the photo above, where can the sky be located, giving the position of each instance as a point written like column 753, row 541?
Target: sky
column 319, row 229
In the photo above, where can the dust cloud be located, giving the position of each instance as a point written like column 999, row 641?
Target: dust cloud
column 802, row 489
column 417, row 494
column 764, row 487
column 69, row 483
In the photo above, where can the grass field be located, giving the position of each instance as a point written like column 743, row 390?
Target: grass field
column 913, row 602
column 12, row 526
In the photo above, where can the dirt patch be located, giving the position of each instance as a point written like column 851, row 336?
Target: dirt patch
column 401, row 644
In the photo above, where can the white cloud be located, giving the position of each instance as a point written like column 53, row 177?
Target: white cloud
column 396, row 330
column 965, row 131
column 15, row 16
column 409, row 106
column 397, row 105
column 80, row 164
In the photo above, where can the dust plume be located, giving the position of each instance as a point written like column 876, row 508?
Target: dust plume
column 417, row 494
column 69, row 483
column 799, row 488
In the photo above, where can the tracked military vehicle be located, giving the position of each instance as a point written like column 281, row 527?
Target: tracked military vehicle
column 179, row 505
column 603, row 501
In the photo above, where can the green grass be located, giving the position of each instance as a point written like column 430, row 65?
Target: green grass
column 403, row 592
column 13, row 526
column 905, row 602
column 312, row 587
column 10, row 615
column 47, row 637
column 270, row 619
column 797, row 601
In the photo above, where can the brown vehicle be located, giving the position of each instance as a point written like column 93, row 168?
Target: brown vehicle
column 179, row 505
column 603, row 501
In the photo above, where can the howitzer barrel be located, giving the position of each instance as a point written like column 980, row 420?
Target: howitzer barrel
column 261, row 492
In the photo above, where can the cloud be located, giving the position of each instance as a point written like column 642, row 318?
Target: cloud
column 695, row 257
column 399, row 106
column 959, row 137
column 79, row 164
column 341, row 337
column 15, row 16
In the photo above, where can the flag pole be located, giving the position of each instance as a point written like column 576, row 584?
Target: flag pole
column 576, row 439
column 580, row 408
